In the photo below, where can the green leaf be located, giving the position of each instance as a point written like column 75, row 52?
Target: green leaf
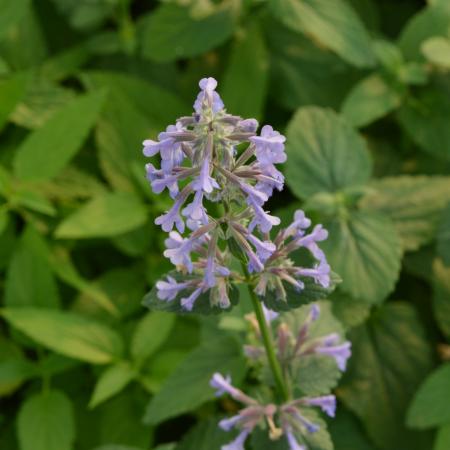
column 13, row 372
column 30, row 280
column 206, row 435
column 11, row 92
column 391, row 356
column 437, row 51
column 346, row 432
column 203, row 305
column 428, row 22
column 430, row 406
column 304, row 73
column 443, row 438
column 188, row 386
column 150, row 333
column 319, row 146
column 111, row 382
column 11, row 13
column 365, row 250
column 441, row 296
column 349, row 311
column 369, row 100
column 47, row 150
column 414, row 203
column 66, row 271
column 142, row 94
column 332, row 23
column 107, row 215
column 67, row 333
column 426, row 118
column 173, row 32
column 247, row 71
column 46, row 422
column 443, row 236
column 119, row 135
column 311, row 293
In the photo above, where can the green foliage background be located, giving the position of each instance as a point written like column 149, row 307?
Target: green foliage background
column 362, row 90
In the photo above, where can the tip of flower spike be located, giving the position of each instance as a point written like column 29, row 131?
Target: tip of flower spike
column 208, row 84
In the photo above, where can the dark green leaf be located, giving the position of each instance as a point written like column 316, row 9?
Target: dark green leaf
column 443, row 438
column 67, row 333
column 247, row 72
column 46, row 422
column 443, row 236
column 437, row 51
column 319, row 146
column 11, row 13
column 188, row 386
column 333, row 23
column 11, row 91
column 206, row 435
column 391, row 356
column 441, row 296
column 173, row 32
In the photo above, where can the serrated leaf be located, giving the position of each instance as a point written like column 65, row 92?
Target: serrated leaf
column 414, row 203
column 150, row 333
column 188, row 386
column 443, row 236
column 369, row 100
column 162, row 42
column 11, row 92
column 48, row 149
column 46, row 422
column 206, row 435
column 365, row 250
column 111, row 382
column 67, row 333
column 430, row 406
column 332, row 23
column 203, row 304
column 319, row 146
column 248, row 70
column 311, row 293
column 107, row 215
column 30, row 280
column 426, row 119
column 391, row 356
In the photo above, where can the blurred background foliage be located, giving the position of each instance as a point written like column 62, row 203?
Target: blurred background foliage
column 362, row 89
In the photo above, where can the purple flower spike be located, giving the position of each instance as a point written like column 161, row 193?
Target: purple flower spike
column 293, row 444
column 238, row 443
column 171, row 218
column 326, row 403
column 248, row 125
column 341, row 353
column 188, row 302
column 269, row 146
column 208, row 97
column 320, row 273
column 204, row 181
column 196, row 210
column 151, row 148
column 262, row 219
column 168, row 290
column 178, row 250
column 264, row 249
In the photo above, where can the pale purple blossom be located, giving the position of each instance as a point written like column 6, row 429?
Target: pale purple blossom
column 327, row 403
column 341, row 353
column 168, row 290
column 188, row 302
column 269, row 146
column 238, row 443
column 293, row 444
column 208, row 97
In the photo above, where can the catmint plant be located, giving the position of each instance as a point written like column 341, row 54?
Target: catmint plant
column 220, row 173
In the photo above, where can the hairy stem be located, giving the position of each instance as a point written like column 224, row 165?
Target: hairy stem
column 268, row 341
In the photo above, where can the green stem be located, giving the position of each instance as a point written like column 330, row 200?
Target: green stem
column 267, row 340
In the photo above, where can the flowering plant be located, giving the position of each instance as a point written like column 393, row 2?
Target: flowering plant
column 220, row 173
